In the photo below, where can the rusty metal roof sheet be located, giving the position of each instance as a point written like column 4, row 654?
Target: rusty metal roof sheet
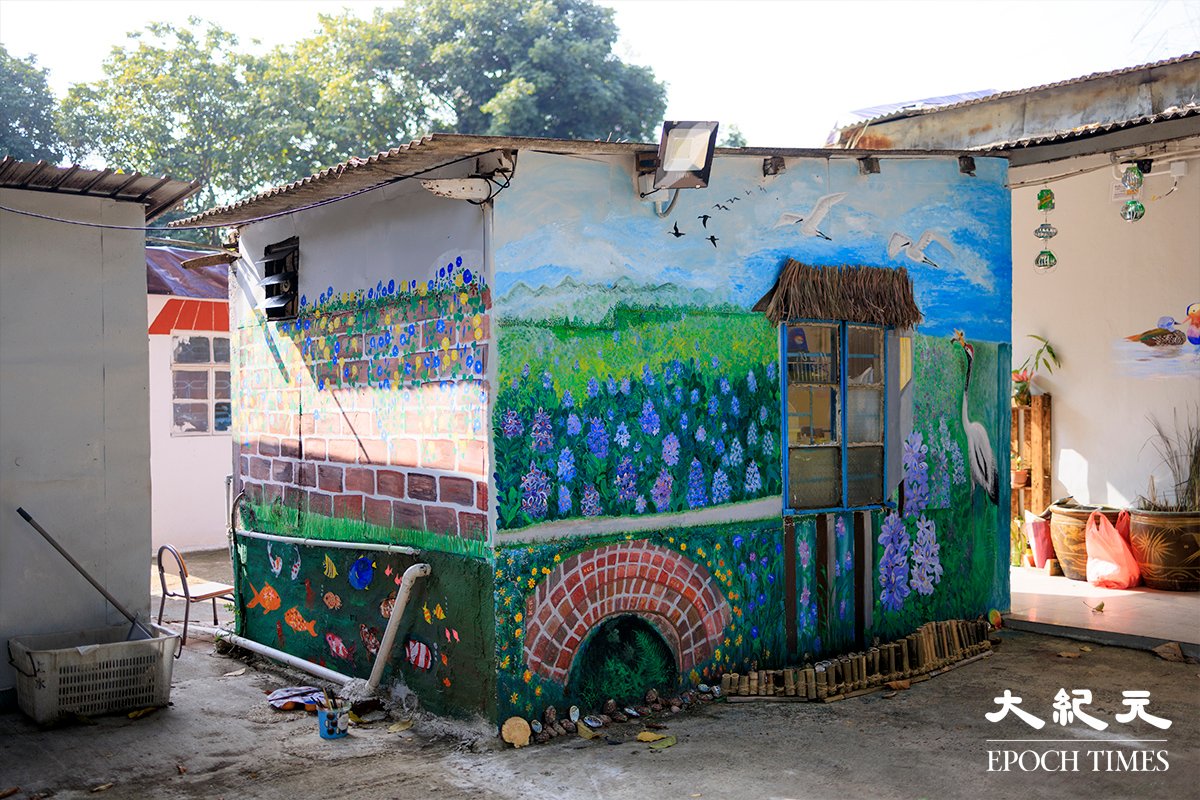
column 158, row 195
column 991, row 98
column 1095, row 129
column 166, row 275
column 442, row 149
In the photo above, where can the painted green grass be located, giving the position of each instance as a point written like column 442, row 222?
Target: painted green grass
column 283, row 521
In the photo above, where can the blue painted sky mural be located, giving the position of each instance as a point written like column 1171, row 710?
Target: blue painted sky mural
column 580, row 218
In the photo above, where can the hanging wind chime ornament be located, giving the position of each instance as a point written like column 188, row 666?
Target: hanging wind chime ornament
column 1133, row 210
column 1132, row 178
column 1045, row 261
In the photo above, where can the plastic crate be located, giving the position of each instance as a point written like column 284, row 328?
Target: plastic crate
column 92, row 672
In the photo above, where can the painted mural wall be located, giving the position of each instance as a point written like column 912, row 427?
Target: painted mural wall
column 637, row 420
column 364, row 420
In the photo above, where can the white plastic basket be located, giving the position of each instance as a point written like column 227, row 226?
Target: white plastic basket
column 92, row 672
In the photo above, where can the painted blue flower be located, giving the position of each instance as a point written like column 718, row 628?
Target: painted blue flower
column 752, row 435
column 720, row 487
column 670, row 450
column 541, row 433
column 927, row 564
column 695, row 396
column 590, row 504
column 701, row 434
column 564, row 501
column 753, row 481
column 762, row 414
column 724, row 385
column 678, row 394
column 535, row 490
column 683, row 422
column 566, row 465
column 736, row 456
column 626, row 386
column 511, row 425
column 573, row 425
column 893, row 567
column 639, row 504
column 716, row 362
column 660, row 493
column 751, row 382
column 735, row 406
column 714, row 407
column 622, row 436
column 719, row 446
column 547, row 380
column 597, row 438
column 697, row 492
column 647, row 375
column 567, row 400
column 626, row 480
column 616, row 337
column 649, row 419
column 525, row 371
column 612, row 386
column 593, row 387
column 914, row 451
column 738, row 539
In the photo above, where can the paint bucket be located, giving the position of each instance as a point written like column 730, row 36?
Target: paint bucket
column 333, row 723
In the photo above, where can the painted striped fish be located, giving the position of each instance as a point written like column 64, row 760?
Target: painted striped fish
column 419, row 654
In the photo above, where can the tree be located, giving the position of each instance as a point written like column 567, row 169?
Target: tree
column 733, row 137
column 26, row 111
column 520, row 68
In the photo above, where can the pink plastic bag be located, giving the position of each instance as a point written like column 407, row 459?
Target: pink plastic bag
column 1037, row 532
column 1110, row 562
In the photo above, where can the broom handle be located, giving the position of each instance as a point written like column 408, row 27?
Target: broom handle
column 79, row 567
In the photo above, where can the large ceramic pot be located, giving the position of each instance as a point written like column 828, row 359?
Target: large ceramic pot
column 1166, row 545
column 1068, row 524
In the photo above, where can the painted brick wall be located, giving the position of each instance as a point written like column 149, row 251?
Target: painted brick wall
column 371, row 408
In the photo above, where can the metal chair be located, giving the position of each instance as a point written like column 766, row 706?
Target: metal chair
column 192, row 593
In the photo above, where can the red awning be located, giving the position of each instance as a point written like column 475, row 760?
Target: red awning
column 181, row 314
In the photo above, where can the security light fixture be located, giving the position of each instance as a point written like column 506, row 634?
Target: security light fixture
column 281, row 273
column 966, row 165
column 773, row 165
column 685, row 155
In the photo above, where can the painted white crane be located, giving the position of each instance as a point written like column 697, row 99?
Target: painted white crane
column 808, row 222
column 983, row 461
column 899, row 243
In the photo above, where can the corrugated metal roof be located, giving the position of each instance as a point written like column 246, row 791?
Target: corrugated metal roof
column 158, row 195
column 991, row 98
column 442, row 149
column 1095, row 129
column 166, row 275
column 180, row 314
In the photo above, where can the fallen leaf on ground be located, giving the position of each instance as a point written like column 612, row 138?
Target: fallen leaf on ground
column 235, row 673
column 697, row 794
column 1099, row 607
column 1169, row 651
column 9, row 792
column 355, row 718
column 142, row 712
column 889, row 695
column 664, row 743
column 904, row 684
column 101, row 788
column 650, row 736
column 585, row 732
column 1068, row 654
column 402, row 725
column 182, row 769
column 1085, row 648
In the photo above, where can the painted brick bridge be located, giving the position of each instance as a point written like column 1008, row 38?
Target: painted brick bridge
column 665, row 588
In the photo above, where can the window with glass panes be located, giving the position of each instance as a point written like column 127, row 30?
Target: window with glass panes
column 834, row 416
column 200, row 385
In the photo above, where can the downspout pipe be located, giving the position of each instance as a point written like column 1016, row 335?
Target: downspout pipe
column 410, row 576
column 286, row 658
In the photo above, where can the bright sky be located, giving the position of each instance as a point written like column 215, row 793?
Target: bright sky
column 784, row 72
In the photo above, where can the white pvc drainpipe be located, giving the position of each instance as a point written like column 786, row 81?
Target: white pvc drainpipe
column 385, row 548
column 286, row 658
column 389, row 636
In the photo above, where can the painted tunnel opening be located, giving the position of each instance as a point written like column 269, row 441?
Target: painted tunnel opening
column 623, row 657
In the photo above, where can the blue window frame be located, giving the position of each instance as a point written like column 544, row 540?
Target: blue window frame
column 835, row 412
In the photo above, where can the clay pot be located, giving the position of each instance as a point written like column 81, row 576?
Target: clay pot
column 1068, row 525
column 1020, row 478
column 1166, row 546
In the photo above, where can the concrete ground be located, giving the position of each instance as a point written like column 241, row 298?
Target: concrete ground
column 220, row 739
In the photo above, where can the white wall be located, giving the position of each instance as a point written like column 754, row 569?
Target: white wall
column 187, row 473
column 74, row 439
column 1113, row 279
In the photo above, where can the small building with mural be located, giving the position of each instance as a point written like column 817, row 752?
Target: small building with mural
column 638, row 442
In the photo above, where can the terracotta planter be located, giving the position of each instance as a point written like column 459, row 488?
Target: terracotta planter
column 1167, row 548
column 1068, row 524
column 1020, row 478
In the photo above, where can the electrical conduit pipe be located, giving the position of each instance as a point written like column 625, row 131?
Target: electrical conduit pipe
column 410, row 576
column 286, row 658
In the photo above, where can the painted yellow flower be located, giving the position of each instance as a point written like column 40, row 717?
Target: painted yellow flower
column 717, row 546
column 538, row 691
column 510, row 561
column 557, row 558
column 518, row 617
column 517, row 633
column 528, row 676
column 545, row 570
column 683, row 545
column 718, row 653
column 508, row 600
column 738, row 640
column 504, row 662
column 513, row 698
column 671, row 539
column 532, row 583
column 533, row 571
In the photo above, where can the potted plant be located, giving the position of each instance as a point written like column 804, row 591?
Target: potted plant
column 1020, row 473
column 1042, row 358
column 1164, row 529
column 1019, row 544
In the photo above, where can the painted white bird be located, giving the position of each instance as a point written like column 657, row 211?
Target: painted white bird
column 901, row 243
column 808, row 222
column 983, row 462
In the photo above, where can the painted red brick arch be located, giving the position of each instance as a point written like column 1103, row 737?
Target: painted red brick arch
column 670, row 591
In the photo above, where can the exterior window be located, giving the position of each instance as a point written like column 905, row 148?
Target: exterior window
column 200, row 387
column 835, row 415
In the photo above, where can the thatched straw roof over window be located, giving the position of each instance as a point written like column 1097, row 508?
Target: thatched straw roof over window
column 876, row 295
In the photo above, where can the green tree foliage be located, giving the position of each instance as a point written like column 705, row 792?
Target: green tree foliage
column 26, row 111
column 732, row 137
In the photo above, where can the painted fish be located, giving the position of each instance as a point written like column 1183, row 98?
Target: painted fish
column 274, row 561
column 296, row 565
column 310, row 597
column 437, row 611
column 332, row 601
column 370, row 638
column 297, row 622
column 338, row 648
column 425, row 611
column 418, row 654
column 330, row 569
column 450, row 632
column 385, row 608
column 267, row 599
column 361, row 573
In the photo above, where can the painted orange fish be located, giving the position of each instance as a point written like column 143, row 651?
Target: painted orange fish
column 268, row 598
column 332, row 601
column 297, row 623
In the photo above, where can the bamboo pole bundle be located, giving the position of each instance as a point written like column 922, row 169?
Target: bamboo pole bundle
column 789, row 683
column 822, row 681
